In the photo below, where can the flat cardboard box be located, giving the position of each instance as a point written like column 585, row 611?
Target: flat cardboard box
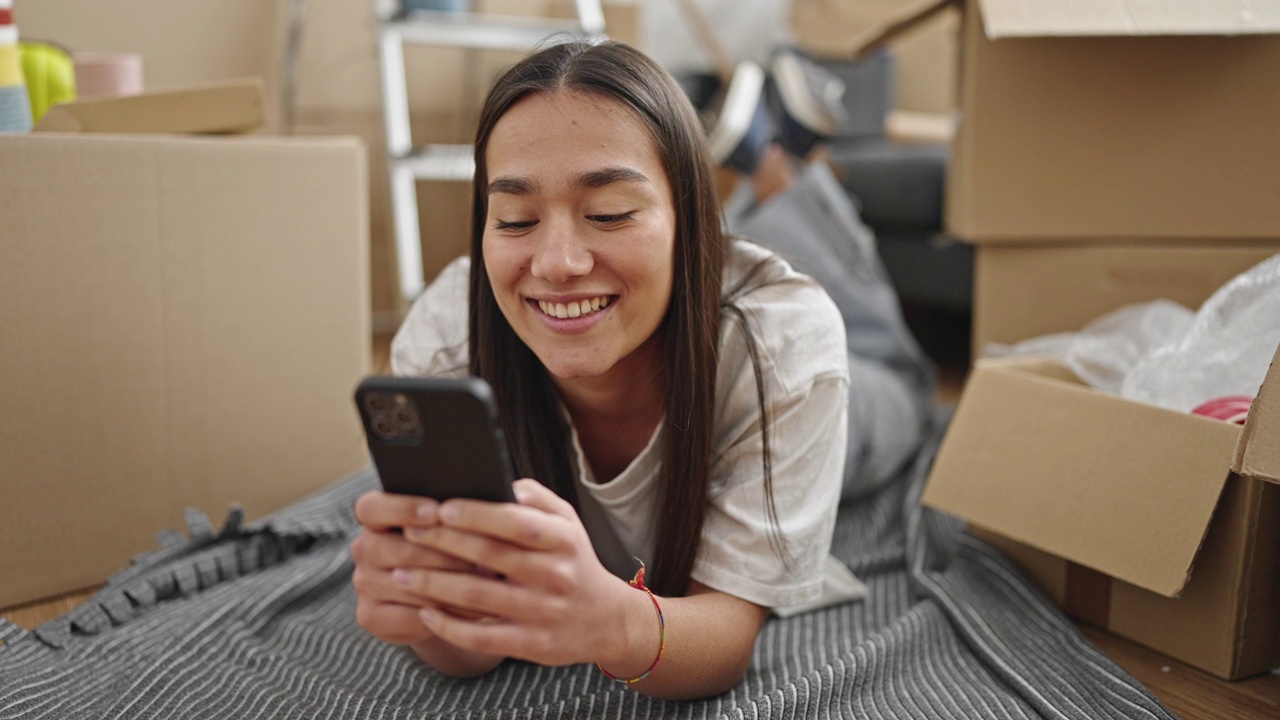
column 184, row 322
column 1117, row 119
column 224, row 107
column 1037, row 288
column 1153, row 524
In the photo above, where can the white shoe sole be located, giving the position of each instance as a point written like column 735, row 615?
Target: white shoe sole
column 738, row 110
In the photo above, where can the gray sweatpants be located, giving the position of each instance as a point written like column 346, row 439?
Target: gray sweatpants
column 815, row 226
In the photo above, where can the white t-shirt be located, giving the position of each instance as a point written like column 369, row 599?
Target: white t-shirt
column 801, row 347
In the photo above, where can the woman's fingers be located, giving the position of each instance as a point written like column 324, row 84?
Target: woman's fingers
column 384, row 511
column 480, row 596
column 380, row 586
column 509, row 639
column 534, row 494
column 388, row 550
column 544, row 522
column 482, row 551
column 394, row 623
column 533, row 542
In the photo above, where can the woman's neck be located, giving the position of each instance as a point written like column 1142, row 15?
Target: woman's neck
column 616, row 415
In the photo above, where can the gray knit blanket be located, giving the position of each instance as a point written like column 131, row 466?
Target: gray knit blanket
column 257, row 621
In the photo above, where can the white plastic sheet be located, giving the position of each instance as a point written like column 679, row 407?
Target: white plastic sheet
column 1161, row 353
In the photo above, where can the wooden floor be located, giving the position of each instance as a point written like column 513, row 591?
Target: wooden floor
column 1188, row 693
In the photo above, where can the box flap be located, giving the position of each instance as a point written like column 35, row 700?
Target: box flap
column 232, row 106
column 1066, row 18
column 1019, row 18
column 1124, row 488
column 1258, row 450
column 884, row 32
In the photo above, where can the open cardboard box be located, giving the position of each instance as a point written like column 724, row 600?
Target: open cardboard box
column 185, row 319
column 1112, row 119
column 1153, row 524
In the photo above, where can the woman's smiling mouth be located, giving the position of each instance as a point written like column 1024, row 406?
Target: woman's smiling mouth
column 574, row 309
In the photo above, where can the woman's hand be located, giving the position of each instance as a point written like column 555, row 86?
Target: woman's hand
column 549, row 599
column 529, row 569
column 383, row 608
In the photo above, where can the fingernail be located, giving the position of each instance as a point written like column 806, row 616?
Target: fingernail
column 449, row 512
column 428, row 616
column 427, row 511
column 400, row 576
column 413, row 534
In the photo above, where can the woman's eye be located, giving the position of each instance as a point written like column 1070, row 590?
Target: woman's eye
column 518, row 225
column 611, row 219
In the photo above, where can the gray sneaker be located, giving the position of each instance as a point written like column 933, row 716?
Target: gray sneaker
column 807, row 101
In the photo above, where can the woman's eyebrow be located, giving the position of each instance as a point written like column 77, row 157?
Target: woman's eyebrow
column 585, row 181
column 608, row 176
column 511, row 186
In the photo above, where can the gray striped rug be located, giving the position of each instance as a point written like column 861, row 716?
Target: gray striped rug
column 258, row 622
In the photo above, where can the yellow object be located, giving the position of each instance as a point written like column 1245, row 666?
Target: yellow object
column 10, row 67
column 50, row 74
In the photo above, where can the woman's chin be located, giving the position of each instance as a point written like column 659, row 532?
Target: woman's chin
column 572, row 370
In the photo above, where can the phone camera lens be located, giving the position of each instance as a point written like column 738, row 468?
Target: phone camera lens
column 377, row 403
column 406, row 418
column 384, row 427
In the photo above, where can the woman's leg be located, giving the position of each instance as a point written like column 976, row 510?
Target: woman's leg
column 805, row 216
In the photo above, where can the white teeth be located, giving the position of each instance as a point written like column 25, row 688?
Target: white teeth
column 573, row 309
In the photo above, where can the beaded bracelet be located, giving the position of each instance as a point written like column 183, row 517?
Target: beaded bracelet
column 638, row 583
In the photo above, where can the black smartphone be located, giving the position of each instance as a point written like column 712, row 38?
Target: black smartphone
column 436, row 437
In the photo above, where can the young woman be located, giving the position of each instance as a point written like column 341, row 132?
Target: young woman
column 676, row 401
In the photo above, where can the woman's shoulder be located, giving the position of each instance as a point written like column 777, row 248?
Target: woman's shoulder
column 759, row 277
column 796, row 327
column 432, row 340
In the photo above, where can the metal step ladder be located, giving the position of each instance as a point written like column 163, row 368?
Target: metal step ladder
column 407, row 164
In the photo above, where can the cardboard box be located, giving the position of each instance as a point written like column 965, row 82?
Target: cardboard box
column 1154, row 524
column 1110, row 505
column 1118, row 119
column 184, row 322
column 222, row 107
column 1037, row 288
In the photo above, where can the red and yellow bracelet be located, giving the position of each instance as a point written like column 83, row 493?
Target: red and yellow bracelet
column 638, row 583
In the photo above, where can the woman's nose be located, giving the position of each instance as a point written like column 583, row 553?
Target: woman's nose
column 561, row 255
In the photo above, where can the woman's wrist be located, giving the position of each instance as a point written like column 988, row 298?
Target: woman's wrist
column 640, row 635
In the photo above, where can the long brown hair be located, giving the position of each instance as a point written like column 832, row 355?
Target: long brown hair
column 532, row 420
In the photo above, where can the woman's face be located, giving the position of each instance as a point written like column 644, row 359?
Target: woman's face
column 580, row 235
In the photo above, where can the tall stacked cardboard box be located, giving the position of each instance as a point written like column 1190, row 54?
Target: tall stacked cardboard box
column 1140, row 149
column 1109, row 153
